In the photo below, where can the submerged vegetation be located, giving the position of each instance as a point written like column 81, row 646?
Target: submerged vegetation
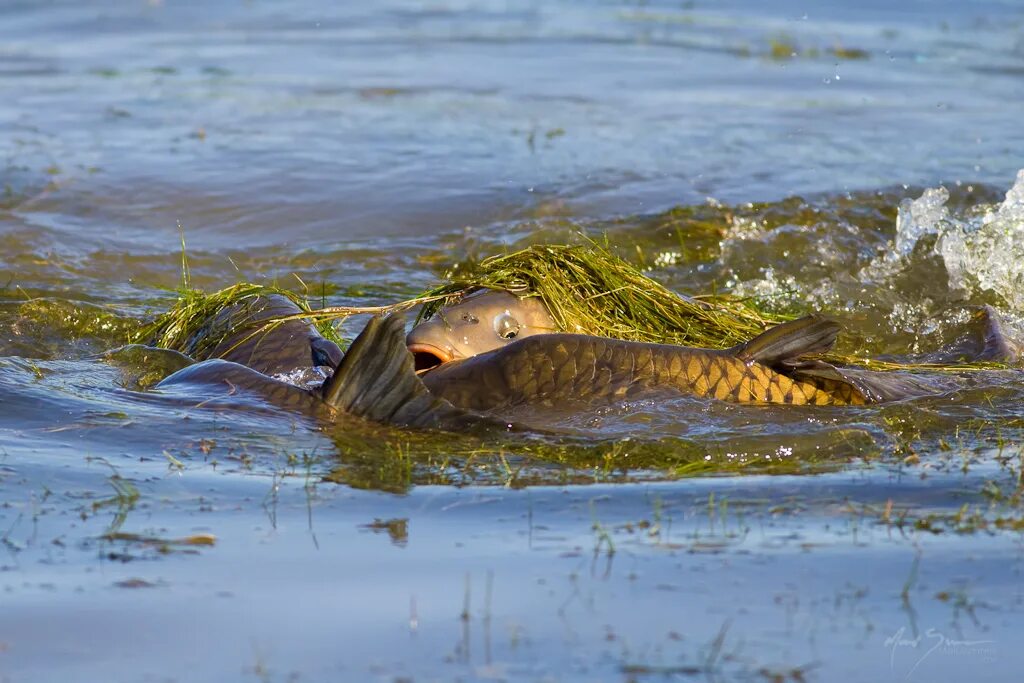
column 390, row 459
column 784, row 47
column 47, row 327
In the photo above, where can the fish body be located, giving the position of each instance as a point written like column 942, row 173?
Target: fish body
column 374, row 380
column 547, row 367
column 243, row 333
column 772, row 368
column 215, row 379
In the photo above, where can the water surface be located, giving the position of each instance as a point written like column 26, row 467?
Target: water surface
column 357, row 152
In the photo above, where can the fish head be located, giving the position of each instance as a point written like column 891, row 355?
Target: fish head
column 481, row 321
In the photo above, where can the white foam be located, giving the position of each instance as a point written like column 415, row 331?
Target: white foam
column 919, row 217
column 770, row 290
column 983, row 252
column 305, row 378
column 986, row 254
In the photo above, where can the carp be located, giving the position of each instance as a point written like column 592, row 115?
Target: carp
column 478, row 368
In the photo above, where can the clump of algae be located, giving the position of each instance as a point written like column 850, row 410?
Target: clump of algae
column 77, row 320
column 589, row 290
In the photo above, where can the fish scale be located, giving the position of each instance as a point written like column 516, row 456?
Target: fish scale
column 546, row 369
column 717, row 375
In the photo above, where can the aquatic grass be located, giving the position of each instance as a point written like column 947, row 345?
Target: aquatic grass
column 589, row 290
column 783, row 48
column 126, row 495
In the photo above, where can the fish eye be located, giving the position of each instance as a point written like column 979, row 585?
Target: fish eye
column 505, row 326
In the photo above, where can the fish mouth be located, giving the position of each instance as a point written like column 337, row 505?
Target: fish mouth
column 427, row 357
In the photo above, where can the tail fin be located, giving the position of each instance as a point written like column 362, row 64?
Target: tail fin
column 376, row 380
column 999, row 346
column 784, row 346
column 878, row 386
column 785, row 343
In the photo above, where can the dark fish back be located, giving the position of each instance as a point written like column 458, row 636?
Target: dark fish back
column 217, row 380
column 246, row 337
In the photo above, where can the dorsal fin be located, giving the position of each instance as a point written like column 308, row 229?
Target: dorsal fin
column 376, row 380
column 789, row 341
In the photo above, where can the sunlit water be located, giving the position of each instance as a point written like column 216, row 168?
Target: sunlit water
column 858, row 160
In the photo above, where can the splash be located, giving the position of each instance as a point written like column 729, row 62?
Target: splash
column 919, row 217
column 305, row 378
column 982, row 250
column 915, row 269
column 987, row 254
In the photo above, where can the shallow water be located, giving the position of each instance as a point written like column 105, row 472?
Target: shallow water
column 356, row 153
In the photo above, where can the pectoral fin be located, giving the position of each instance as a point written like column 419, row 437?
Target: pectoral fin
column 376, row 379
column 999, row 346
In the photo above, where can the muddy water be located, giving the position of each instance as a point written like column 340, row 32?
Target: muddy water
column 796, row 155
